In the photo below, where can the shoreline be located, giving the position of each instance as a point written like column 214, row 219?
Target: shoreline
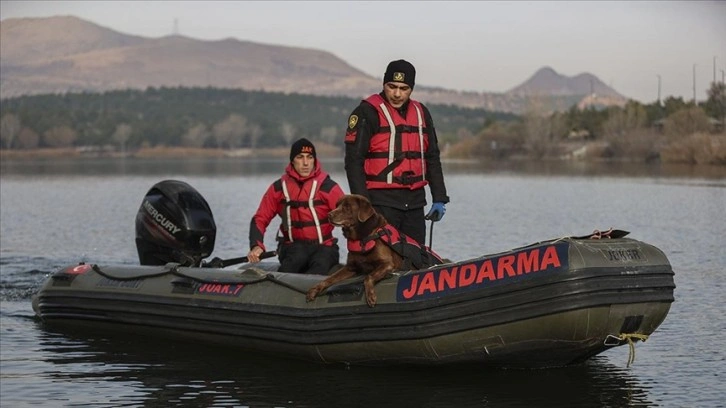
column 330, row 154
column 158, row 152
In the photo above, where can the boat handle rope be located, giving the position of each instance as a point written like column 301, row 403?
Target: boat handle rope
column 174, row 271
column 267, row 277
column 597, row 234
column 629, row 338
column 98, row 270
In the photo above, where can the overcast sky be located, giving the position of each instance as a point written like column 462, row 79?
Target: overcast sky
column 483, row 46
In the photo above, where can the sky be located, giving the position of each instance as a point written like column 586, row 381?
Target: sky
column 636, row 47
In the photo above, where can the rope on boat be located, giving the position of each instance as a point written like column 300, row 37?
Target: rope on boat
column 266, row 277
column 629, row 338
column 98, row 270
column 174, row 271
column 597, row 234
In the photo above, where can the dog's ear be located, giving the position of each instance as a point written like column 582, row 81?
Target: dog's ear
column 365, row 210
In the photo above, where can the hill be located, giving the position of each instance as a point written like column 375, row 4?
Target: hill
column 66, row 54
column 60, row 54
column 546, row 81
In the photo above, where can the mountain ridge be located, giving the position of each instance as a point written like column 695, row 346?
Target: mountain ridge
column 68, row 54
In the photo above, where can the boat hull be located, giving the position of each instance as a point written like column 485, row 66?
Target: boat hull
column 552, row 303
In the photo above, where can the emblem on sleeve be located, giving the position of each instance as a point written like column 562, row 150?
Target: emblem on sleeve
column 352, row 121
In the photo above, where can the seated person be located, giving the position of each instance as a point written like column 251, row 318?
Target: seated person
column 302, row 197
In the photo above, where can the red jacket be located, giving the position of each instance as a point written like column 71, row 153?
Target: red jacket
column 302, row 203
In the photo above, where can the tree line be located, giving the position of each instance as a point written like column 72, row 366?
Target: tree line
column 673, row 129
column 194, row 117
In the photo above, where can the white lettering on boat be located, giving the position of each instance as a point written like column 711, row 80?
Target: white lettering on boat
column 160, row 218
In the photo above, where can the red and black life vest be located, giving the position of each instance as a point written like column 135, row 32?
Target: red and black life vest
column 303, row 203
column 414, row 254
column 395, row 157
column 301, row 206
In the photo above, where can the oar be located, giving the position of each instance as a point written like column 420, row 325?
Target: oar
column 223, row 263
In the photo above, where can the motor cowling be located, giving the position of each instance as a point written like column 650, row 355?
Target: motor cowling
column 174, row 224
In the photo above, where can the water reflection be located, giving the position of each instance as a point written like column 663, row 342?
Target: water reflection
column 160, row 373
column 273, row 166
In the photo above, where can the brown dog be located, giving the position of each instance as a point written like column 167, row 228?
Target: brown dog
column 355, row 214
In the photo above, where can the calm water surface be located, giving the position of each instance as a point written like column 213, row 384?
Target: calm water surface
column 58, row 213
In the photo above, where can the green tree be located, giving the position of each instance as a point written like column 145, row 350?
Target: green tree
column 715, row 106
column 589, row 119
column 672, row 105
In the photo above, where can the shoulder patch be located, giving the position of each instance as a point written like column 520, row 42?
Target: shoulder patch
column 352, row 121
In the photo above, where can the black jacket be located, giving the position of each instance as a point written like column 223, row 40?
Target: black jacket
column 356, row 148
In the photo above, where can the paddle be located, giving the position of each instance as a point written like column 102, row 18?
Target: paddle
column 223, row 263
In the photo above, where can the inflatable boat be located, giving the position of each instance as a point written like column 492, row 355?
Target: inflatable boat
column 552, row 303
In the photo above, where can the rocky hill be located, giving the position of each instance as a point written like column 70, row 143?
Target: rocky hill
column 67, row 54
column 548, row 82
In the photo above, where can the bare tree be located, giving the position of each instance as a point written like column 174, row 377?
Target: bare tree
column 196, row 135
column 229, row 132
column 288, row 131
column 254, row 131
column 9, row 128
column 27, row 138
column 59, row 136
column 688, row 139
column 686, row 122
column 463, row 133
column 121, row 135
column 625, row 132
column 536, row 128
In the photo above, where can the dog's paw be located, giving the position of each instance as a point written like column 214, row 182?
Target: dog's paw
column 371, row 299
column 312, row 294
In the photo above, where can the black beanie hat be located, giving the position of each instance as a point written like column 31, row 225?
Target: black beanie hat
column 302, row 146
column 400, row 71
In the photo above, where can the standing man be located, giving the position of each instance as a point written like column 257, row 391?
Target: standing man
column 391, row 153
column 302, row 197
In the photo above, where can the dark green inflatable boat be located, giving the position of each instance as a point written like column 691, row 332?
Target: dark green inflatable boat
column 552, row 303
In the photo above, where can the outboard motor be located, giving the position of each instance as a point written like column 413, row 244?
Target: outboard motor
column 174, row 224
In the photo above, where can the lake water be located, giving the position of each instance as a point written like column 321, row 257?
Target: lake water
column 58, row 213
